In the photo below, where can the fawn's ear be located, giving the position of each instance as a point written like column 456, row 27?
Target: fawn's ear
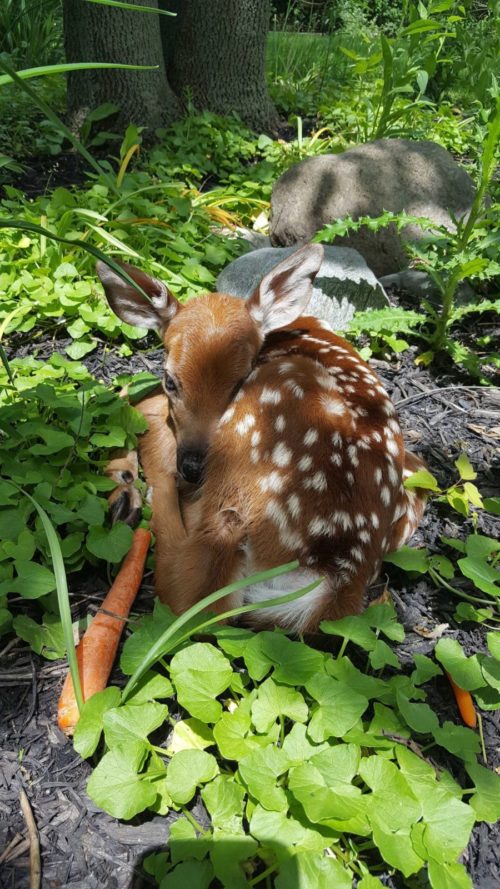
column 285, row 291
column 130, row 305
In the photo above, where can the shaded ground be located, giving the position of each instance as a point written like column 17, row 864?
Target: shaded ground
column 83, row 848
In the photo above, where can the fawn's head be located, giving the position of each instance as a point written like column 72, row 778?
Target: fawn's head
column 211, row 342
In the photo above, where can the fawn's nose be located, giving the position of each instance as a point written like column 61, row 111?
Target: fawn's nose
column 191, row 465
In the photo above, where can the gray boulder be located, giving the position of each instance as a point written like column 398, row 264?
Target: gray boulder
column 344, row 284
column 420, row 178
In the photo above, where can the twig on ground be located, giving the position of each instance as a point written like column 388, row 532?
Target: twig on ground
column 17, row 846
column 35, row 865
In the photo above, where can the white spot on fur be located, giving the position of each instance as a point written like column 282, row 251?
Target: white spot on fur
column 311, row 437
column 356, row 553
column 364, row 536
column 378, row 475
column 336, row 459
column 227, row 416
column 393, row 475
column 270, row 396
column 244, row 425
column 333, row 406
column 281, row 454
column 294, row 507
column 350, row 478
column 375, row 520
column 352, row 453
column 255, row 438
column 385, row 495
column 342, row 518
column 359, row 520
column 279, row 423
column 392, row 447
column 272, row 482
column 336, row 439
column 305, row 463
column 317, row 482
column 254, row 455
column 294, row 388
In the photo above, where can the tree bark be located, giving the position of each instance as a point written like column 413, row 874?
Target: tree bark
column 217, row 58
column 94, row 33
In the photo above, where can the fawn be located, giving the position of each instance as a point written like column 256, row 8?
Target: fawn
column 274, row 441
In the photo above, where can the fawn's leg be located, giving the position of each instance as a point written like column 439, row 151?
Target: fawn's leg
column 194, row 556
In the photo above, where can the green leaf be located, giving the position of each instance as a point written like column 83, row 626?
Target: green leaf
column 490, row 669
column 33, row 580
column 298, row 747
column 110, row 544
column 200, row 673
column 465, row 468
column 352, row 629
column 275, row 700
column 370, row 882
column 188, row 769
column 90, row 724
column 115, row 784
column 132, row 722
column 466, row 671
column 425, row 669
column 190, row 734
column 492, row 504
column 409, row 559
column 46, row 638
column 339, row 708
column 493, row 642
column 486, row 799
column 184, row 843
column 482, row 575
column 77, row 349
column 480, row 546
column 259, row 770
column 310, row 870
column 461, row 741
column 228, row 854
column 458, row 500
column 224, row 800
column 151, row 686
column 422, row 479
column 280, row 832
column 419, row 717
column 197, row 874
column 448, row 821
column 147, row 631
column 448, row 875
column 473, row 494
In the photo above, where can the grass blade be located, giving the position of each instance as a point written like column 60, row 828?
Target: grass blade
column 44, row 70
column 62, row 593
column 133, row 6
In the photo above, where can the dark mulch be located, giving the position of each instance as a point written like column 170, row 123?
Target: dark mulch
column 83, row 848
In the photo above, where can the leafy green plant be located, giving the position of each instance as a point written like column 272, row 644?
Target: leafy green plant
column 480, row 553
column 59, row 427
column 309, row 768
column 408, row 61
column 449, row 257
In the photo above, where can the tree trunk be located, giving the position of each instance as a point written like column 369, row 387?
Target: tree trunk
column 95, row 33
column 217, row 58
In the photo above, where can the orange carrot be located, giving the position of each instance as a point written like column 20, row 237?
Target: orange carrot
column 97, row 649
column 465, row 703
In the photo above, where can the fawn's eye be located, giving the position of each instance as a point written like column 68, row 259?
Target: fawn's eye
column 170, row 384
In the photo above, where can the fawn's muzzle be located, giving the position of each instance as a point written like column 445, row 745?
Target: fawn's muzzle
column 191, row 465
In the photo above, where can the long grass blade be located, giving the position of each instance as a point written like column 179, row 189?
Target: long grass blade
column 62, row 593
column 44, row 70
column 133, row 6
column 164, row 643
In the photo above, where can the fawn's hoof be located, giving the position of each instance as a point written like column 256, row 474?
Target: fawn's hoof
column 125, row 505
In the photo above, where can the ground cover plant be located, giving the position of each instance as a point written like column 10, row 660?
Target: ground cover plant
column 339, row 760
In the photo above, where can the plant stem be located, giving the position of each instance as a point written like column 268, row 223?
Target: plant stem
column 192, row 820
column 481, row 735
column 263, row 876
